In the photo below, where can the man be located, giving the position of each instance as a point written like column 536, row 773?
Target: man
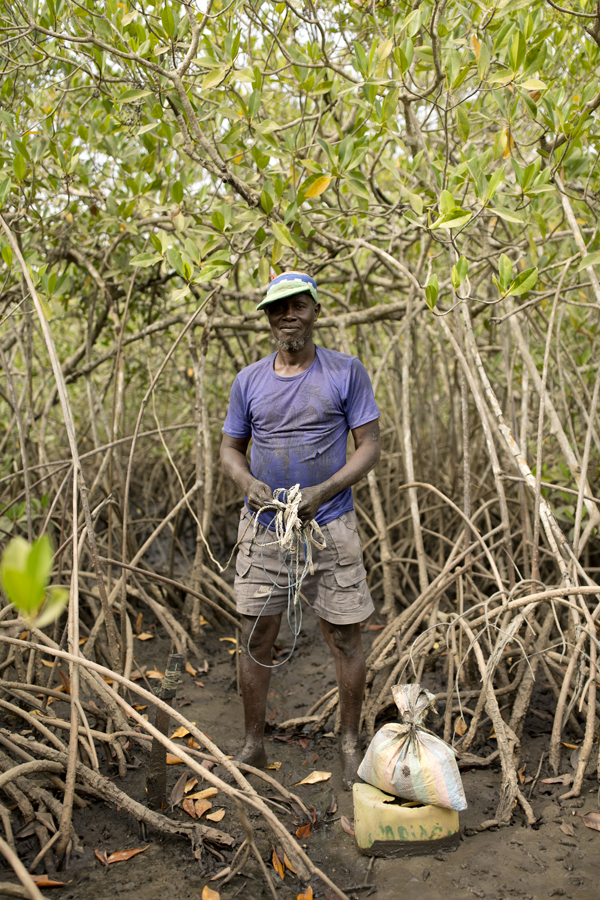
column 298, row 405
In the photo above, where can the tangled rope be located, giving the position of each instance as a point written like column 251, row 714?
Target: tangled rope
column 294, row 539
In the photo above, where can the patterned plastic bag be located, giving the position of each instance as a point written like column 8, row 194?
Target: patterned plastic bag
column 409, row 761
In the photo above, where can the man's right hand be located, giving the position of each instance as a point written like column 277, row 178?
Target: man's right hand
column 258, row 495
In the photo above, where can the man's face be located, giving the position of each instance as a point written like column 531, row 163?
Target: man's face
column 292, row 320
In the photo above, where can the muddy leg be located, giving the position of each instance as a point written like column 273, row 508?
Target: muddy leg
column 255, row 683
column 346, row 645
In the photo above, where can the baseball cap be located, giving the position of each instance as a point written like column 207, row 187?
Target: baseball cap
column 289, row 283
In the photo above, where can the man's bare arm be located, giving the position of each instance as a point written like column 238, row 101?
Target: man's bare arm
column 365, row 457
column 235, row 465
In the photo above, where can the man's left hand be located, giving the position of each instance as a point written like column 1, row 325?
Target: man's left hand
column 312, row 498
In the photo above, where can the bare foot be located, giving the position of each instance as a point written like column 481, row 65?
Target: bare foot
column 351, row 757
column 252, row 755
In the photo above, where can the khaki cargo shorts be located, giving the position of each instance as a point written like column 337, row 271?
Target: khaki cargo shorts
column 337, row 591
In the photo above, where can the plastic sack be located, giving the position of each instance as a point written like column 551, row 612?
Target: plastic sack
column 409, row 761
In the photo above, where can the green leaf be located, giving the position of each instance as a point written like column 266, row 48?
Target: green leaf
column 385, row 48
column 462, row 124
column 282, row 234
column 143, row 260
column 504, row 270
column 7, row 255
column 517, row 50
column 264, row 270
column 507, row 214
column 431, row 292
column 446, row 202
column 19, row 167
column 483, row 63
column 213, row 79
column 218, row 221
column 416, row 203
column 25, row 569
column 456, row 218
column 266, row 200
column 523, row 283
column 175, row 261
column 318, row 186
column 459, row 272
column 591, row 259
column 56, row 600
column 134, row 94
column 177, row 192
column 5, row 188
column 168, row 20
column 534, row 84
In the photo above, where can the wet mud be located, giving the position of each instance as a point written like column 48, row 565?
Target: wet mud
column 514, row 863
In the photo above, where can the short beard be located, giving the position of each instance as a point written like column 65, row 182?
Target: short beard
column 298, row 344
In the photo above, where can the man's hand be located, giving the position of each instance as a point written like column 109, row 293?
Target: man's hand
column 312, row 499
column 258, row 495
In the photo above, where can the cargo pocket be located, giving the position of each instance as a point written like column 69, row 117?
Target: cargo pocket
column 350, row 576
column 343, row 534
column 242, row 564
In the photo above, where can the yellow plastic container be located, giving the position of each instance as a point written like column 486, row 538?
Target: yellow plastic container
column 389, row 826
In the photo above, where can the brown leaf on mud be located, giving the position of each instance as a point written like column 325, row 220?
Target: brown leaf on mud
column 287, row 863
column 138, row 623
column 188, row 806
column 278, row 865
column 591, row 820
column 567, row 829
column 203, row 795
column 460, row 726
column 190, row 783
column 154, row 673
column 190, row 669
column 375, row 627
column 332, row 808
column 560, row 779
column 140, row 706
column 347, row 825
column 118, row 855
column 208, row 894
column 275, row 765
column 216, row 816
column 303, row 831
column 198, row 684
column 65, row 681
column 45, row 881
column 521, row 773
column 173, row 760
column 307, row 895
column 182, row 731
column 315, row 778
column 144, row 636
column 178, row 791
column 221, row 874
column 124, row 855
column 202, row 806
column 304, row 742
column 194, row 745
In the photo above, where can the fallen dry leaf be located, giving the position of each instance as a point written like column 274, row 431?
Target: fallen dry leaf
column 154, row 673
column 307, row 895
column 194, row 744
column 275, row 765
column 45, row 881
column 460, row 726
column 139, row 706
column 203, row 795
column 190, row 783
column 287, row 863
column 278, row 865
column 198, row 684
column 303, row 831
column 591, row 820
column 118, row 855
column 231, row 640
column 181, row 731
column 173, row 760
column 202, row 621
column 138, row 623
column 567, row 829
column 176, row 795
column 216, row 816
column 569, row 746
column 332, row 808
column 144, row 636
column 65, row 681
column 202, row 806
column 347, row 825
column 375, row 627
column 189, row 808
column 315, row 777
column 207, row 894
column 521, row 773
column 190, row 669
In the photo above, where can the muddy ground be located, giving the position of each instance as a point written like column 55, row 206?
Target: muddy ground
column 507, row 864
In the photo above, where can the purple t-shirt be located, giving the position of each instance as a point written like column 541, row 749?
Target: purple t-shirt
column 299, row 425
